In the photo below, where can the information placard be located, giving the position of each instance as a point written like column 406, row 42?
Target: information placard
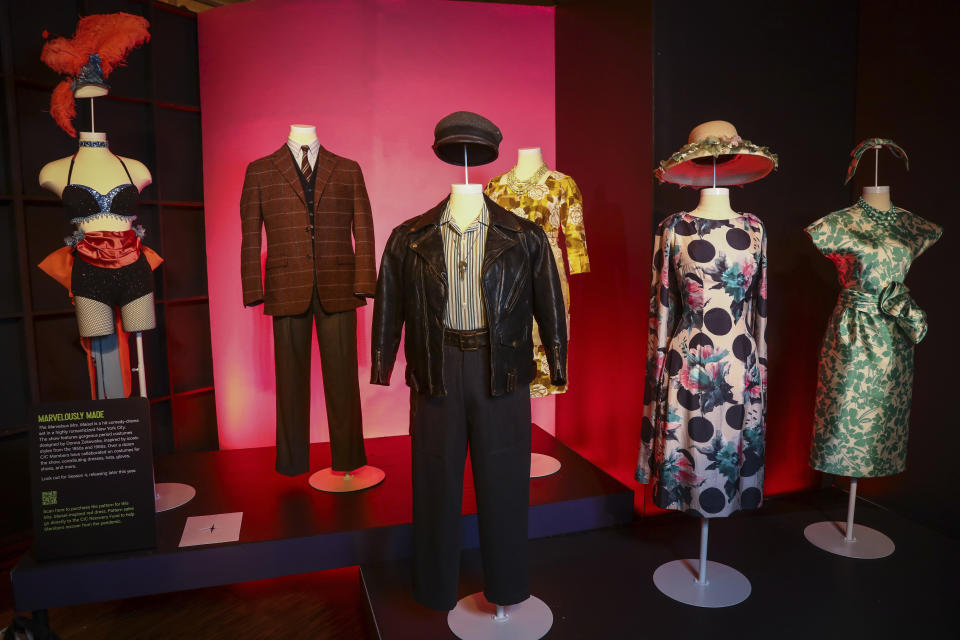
column 92, row 470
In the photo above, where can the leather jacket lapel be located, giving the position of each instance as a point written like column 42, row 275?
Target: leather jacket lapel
column 427, row 241
column 501, row 235
column 284, row 163
column 429, row 246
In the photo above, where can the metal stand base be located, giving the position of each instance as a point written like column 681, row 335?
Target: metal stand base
column 725, row 585
column 867, row 543
column 476, row 619
column 170, row 495
column 543, row 465
column 339, row 482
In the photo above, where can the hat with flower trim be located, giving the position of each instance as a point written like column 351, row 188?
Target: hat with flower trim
column 715, row 155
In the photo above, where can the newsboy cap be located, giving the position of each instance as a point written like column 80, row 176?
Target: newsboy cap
column 464, row 128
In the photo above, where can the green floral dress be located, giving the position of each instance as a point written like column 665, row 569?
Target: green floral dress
column 866, row 363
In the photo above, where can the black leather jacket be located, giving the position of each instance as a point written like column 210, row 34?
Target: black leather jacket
column 519, row 281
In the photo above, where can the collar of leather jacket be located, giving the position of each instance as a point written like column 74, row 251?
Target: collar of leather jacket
column 499, row 217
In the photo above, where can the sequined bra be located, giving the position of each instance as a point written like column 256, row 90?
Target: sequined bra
column 84, row 203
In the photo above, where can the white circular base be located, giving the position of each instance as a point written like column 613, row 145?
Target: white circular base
column 867, row 543
column 725, row 585
column 339, row 482
column 474, row 619
column 543, row 465
column 170, row 495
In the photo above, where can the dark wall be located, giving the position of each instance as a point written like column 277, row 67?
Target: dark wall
column 604, row 110
column 907, row 91
column 151, row 114
column 784, row 75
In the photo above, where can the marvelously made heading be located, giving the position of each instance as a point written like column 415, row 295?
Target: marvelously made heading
column 73, row 415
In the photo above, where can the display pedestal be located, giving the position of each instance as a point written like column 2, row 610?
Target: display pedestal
column 339, row 482
column 543, row 465
column 844, row 539
column 700, row 582
column 724, row 588
column 867, row 544
column 474, row 618
column 170, row 495
column 166, row 495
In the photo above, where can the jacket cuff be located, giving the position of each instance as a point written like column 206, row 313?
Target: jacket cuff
column 558, row 368
column 379, row 374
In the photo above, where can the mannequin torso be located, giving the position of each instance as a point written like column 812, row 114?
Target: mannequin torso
column 466, row 203
column 714, row 204
column 99, row 169
column 878, row 197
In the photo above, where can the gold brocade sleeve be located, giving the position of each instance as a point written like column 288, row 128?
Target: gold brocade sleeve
column 574, row 233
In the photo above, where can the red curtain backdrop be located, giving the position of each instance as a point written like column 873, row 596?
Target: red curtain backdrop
column 374, row 77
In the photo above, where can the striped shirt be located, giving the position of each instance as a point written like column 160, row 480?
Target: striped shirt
column 463, row 251
column 312, row 154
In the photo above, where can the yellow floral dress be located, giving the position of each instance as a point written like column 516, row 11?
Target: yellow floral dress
column 557, row 206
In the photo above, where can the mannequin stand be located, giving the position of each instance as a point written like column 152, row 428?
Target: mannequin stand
column 543, row 465
column 166, row 495
column 474, row 618
column 841, row 538
column 339, row 482
column 702, row 583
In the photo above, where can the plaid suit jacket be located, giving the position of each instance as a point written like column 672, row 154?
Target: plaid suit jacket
column 343, row 267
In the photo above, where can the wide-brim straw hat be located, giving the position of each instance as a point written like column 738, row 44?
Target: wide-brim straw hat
column 738, row 161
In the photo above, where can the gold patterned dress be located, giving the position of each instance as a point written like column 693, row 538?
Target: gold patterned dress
column 553, row 201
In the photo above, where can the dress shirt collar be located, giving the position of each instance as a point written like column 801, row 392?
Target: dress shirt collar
column 298, row 154
column 447, row 219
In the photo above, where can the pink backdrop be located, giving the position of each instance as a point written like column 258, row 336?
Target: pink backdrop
column 374, row 77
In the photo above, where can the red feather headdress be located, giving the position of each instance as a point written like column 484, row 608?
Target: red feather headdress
column 111, row 36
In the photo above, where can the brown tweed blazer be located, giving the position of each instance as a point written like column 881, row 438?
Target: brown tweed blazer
column 344, row 267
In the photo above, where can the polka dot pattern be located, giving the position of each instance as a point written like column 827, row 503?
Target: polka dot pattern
column 715, row 307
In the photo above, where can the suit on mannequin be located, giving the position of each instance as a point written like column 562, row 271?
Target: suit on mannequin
column 319, row 267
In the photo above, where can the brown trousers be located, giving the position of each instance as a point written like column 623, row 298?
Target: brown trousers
column 337, row 338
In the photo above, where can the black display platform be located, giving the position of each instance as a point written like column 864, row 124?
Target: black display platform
column 599, row 584
column 289, row 528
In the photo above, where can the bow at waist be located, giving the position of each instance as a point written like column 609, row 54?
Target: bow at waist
column 893, row 301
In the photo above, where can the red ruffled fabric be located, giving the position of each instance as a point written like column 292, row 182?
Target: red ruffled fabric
column 109, row 249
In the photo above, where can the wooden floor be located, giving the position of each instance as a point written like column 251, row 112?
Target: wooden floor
column 319, row 606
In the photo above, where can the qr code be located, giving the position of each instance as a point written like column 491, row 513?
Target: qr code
column 48, row 497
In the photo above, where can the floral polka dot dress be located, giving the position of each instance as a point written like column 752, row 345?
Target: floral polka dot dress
column 703, row 427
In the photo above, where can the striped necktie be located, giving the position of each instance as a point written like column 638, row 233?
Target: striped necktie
column 305, row 162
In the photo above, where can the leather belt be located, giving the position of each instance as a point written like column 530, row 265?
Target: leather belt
column 466, row 340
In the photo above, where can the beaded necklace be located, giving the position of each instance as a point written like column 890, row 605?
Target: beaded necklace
column 880, row 218
column 520, row 187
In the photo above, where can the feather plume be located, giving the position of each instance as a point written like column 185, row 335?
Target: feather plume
column 63, row 56
column 112, row 35
column 63, row 107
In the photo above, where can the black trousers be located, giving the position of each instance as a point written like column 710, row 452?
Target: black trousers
column 337, row 339
column 497, row 430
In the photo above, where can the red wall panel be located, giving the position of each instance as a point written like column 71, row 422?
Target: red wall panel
column 604, row 140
